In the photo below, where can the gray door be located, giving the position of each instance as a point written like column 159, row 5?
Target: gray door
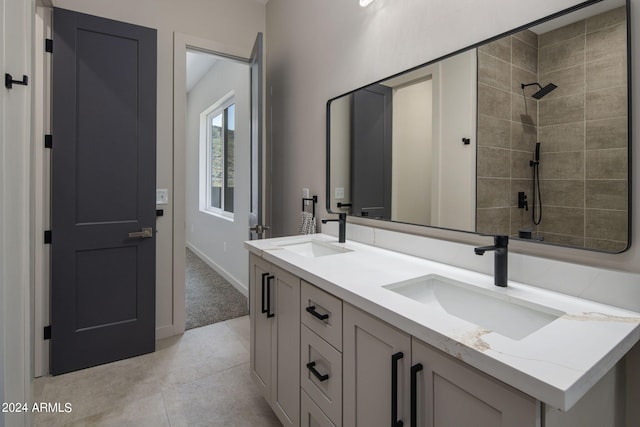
column 103, row 189
column 371, row 155
column 256, row 218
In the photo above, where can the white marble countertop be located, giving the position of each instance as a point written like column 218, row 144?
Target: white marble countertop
column 557, row 364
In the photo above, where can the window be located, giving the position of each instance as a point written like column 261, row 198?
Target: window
column 217, row 139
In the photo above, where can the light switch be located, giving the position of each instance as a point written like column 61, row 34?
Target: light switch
column 162, row 196
column 339, row 193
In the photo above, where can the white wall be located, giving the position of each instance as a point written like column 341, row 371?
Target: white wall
column 206, row 233
column 16, row 25
column 230, row 23
column 365, row 45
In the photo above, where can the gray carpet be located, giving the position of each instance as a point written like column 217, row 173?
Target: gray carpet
column 209, row 298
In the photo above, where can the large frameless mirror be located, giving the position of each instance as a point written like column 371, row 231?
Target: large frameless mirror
column 526, row 135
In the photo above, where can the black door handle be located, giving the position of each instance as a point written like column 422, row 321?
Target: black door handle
column 269, row 279
column 395, row 422
column 312, row 310
column 264, row 276
column 414, row 393
column 318, row 375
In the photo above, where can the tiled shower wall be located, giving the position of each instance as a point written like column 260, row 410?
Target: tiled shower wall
column 581, row 125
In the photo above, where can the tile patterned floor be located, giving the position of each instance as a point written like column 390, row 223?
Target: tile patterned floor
column 200, row 378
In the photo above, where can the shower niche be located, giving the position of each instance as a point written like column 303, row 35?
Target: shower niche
column 526, row 134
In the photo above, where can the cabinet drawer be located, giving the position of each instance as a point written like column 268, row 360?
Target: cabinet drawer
column 321, row 374
column 322, row 313
column 311, row 414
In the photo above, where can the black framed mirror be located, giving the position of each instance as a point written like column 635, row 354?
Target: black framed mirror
column 527, row 134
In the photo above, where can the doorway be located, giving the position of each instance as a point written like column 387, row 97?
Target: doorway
column 217, row 155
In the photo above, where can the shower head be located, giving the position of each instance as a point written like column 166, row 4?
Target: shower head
column 543, row 90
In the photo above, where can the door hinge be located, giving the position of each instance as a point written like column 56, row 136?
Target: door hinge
column 47, row 332
column 48, row 45
column 48, row 141
column 47, row 237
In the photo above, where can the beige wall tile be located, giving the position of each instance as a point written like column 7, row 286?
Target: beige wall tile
column 524, row 55
column 606, row 103
column 566, row 54
column 520, row 220
column 561, row 110
column 494, row 72
column 492, row 192
column 607, row 133
column 493, row 132
column 493, row 162
column 520, row 168
column 605, row 245
column 500, row 48
column 523, row 137
column 493, row 221
column 563, row 137
column 565, row 193
column 565, row 165
column 570, row 81
column 562, row 239
column 611, row 17
column 521, row 76
column 609, row 41
column 607, row 164
column 559, row 220
column 607, row 194
column 494, row 102
column 606, row 73
column 562, row 34
column 606, row 224
column 527, row 36
column 524, row 110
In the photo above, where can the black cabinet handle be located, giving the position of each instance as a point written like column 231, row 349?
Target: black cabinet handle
column 264, row 276
column 269, row 279
column 312, row 310
column 318, row 375
column 395, row 422
column 414, row 393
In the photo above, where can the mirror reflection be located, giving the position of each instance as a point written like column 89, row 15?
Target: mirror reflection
column 526, row 135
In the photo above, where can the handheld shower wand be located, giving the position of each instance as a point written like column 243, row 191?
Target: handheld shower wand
column 535, row 164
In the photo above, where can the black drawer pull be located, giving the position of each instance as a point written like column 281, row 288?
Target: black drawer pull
column 395, row 422
column 269, row 313
column 312, row 310
column 414, row 393
column 318, row 375
column 264, row 276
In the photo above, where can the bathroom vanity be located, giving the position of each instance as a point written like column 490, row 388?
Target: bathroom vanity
column 348, row 334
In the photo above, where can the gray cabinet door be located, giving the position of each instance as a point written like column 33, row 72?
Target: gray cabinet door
column 368, row 349
column 285, row 388
column 452, row 394
column 261, row 325
column 103, row 188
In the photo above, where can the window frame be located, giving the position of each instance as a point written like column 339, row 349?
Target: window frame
column 205, row 142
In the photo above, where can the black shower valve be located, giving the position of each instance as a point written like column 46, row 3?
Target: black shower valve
column 522, row 201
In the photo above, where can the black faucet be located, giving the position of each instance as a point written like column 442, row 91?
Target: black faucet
column 500, row 264
column 342, row 226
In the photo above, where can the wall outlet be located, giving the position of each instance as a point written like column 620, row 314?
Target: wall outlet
column 162, row 196
column 339, row 193
column 224, row 246
column 305, row 195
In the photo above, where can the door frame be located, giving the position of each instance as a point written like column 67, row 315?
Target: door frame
column 182, row 42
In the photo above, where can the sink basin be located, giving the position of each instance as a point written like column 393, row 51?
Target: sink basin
column 496, row 312
column 313, row 248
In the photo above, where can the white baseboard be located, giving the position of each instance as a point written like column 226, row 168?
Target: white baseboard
column 243, row 289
